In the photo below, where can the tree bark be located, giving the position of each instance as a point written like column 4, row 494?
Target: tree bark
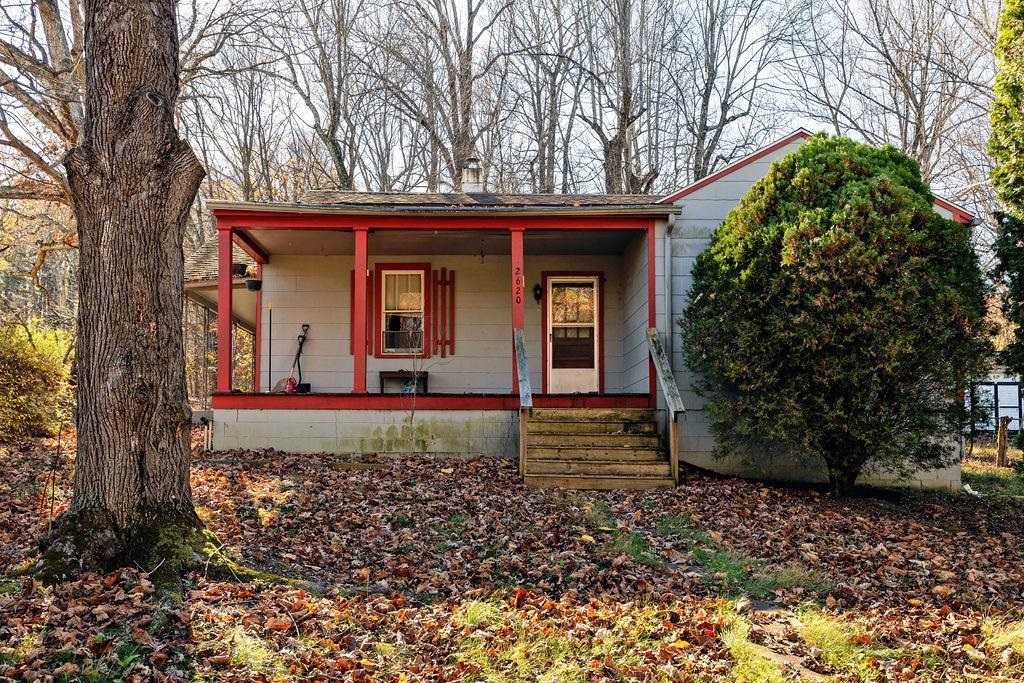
column 132, row 182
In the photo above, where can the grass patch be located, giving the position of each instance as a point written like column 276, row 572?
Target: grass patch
column 9, row 587
column 749, row 665
column 502, row 647
column 844, row 645
column 252, row 653
column 992, row 480
column 737, row 571
column 1006, row 635
column 481, row 613
column 634, row 545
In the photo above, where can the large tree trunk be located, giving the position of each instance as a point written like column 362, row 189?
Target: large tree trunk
column 132, row 181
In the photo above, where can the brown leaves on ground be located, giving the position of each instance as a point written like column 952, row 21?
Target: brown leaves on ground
column 417, row 569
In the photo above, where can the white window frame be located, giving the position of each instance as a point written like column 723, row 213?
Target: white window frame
column 384, row 311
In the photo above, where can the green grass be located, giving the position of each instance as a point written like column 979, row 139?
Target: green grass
column 251, row 653
column 1003, row 635
column 993, row 481
column 502, row 647
column 737, row 571
column 846, row 646
column 635, row 546
column 749, row 665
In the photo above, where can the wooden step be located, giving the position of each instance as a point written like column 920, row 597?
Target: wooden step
column 583, row 482
column 588, row 440
column 592, row 415
column 594, row 453
column 595, row 468
column 594, row 427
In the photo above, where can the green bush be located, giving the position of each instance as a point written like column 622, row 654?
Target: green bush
column 35, row 391
column 836, row 315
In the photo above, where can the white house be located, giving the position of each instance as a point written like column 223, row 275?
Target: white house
column 537, row 326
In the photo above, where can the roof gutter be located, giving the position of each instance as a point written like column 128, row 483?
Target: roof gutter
column 223, row 209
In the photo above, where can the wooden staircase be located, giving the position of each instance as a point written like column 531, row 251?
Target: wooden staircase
column 595, row 448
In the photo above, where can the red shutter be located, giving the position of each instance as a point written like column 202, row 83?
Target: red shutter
column 442, row 322
column 352, row 312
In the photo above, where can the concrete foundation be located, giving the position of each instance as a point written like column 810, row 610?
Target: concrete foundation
column 455, row 432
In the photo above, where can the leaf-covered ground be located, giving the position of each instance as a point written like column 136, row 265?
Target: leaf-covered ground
column 428, row 570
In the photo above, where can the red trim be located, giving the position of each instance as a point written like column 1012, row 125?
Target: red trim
column 518, row 290
column 652, row 312
column 960, row 215
column 224, row 287
column 352, row 311
column 378, row 307
column 300, row 220
column 251, row 247
column 257, row 342
column 235, row 401
column 599, row 274
column 737, row 165
column 358, row 331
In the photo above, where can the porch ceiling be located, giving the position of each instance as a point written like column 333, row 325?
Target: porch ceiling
column 420, row 242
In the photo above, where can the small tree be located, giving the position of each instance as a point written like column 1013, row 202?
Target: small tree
column 836, row 317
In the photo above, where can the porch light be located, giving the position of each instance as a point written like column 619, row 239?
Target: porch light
column 537, row 292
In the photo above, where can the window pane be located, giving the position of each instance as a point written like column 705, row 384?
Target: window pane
column 572, row 303
column 403, row 332
column 390, row 292
column 403, row 291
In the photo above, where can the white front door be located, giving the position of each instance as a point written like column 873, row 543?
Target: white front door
column 573, row 327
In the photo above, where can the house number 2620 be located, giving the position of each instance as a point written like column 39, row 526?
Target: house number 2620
column 517, row 283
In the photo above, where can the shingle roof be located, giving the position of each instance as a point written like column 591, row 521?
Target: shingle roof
column 481, row 199
column 201, row 264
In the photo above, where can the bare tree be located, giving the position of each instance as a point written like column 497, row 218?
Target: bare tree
column 42, row 80
column 896, row 72
column 622, row 45
column 445, row 52
column 319, row 49
column 727, row 52
column 546, row 37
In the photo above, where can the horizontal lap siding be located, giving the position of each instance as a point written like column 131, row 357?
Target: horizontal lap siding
column 635, row 377
column 315, row 290
column 702, row 212
column 483, row 324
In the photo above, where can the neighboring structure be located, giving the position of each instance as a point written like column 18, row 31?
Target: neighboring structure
column 998, row 395
column 456, row 323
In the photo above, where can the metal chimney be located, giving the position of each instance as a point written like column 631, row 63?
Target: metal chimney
column 472, row 176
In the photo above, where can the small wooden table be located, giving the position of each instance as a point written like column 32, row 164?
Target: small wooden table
column 406, row 376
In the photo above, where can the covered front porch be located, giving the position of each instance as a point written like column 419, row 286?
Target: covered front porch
column 412, row 317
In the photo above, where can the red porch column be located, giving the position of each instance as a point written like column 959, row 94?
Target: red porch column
column 652, row 314
column 518, row 296
column 224, row 284
column 257, row 341
column 359, row 314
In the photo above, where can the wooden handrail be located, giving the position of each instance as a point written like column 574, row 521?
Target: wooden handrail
column 525, row 393
column 523, row 370
column 673, row 399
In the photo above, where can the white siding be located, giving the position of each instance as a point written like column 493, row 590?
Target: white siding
column 315, row 290
column 702, row 212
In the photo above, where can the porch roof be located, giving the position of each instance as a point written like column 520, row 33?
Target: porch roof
column 476, row 203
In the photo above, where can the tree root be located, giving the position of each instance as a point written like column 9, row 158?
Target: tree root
column 168, row 545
